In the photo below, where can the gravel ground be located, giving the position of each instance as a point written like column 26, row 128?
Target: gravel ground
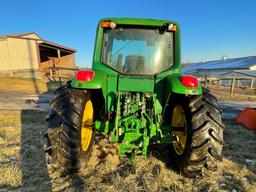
column 22, row 100
column 231, row 109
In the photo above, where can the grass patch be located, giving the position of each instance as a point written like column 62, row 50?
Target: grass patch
column 23, row 165
column 19, row 84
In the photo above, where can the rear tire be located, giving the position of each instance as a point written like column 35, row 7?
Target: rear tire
column 204, row 134
column 65, row 123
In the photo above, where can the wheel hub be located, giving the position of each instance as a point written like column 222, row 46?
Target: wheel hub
column 179, row 125
column 86, row 130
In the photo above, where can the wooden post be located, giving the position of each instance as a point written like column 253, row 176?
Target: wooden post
column 60, row 72
column 220, row 81
column 50, row 72
column 232, row 86
column 252, row 81
column 58, row 61
column 60, row 84
column 58, row 53
column 205, row 81
column 74, row 63
column 237, row 83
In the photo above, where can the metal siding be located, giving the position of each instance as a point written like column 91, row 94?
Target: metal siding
column 4, row 55
column 16, row 54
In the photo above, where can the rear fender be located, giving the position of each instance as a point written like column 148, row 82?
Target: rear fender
column 101, row 81
column 174, row 85
column 97, row 82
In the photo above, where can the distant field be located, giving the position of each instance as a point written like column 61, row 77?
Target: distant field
column 23, row 165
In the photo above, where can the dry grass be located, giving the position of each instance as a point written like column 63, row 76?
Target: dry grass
column 240, row 94
column 23, row 165
column 29, row 85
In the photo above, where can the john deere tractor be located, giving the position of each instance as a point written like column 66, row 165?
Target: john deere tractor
column 136, row 95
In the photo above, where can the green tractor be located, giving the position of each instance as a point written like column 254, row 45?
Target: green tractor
column 136, row 95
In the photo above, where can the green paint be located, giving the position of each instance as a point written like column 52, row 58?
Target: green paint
column 135, row 104
column 97, row 83
column 177, row 87
column 137, row 84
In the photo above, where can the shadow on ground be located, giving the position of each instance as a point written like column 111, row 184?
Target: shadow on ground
column 33, row 162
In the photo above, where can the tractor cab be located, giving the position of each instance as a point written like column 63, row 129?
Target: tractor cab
column 137, row 50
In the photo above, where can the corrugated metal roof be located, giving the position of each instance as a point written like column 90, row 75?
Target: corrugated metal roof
column 243, row 63
column 49, row 43
column 17, row 35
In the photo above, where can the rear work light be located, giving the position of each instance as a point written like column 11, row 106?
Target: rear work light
column 85, row 75
column 108, row 24
column 189, row 81
column 170, row 27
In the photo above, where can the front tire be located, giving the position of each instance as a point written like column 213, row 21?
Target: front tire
column 197, row 125
column 71, row 133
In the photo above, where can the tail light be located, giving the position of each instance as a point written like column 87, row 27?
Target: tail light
column 189, row 81
column 85, row 75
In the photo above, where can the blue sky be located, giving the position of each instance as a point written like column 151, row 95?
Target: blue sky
column 210, row 28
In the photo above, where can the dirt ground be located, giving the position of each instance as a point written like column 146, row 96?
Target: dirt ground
column 24, row 166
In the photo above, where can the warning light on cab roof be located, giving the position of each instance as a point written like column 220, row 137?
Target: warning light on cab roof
column 108, row 24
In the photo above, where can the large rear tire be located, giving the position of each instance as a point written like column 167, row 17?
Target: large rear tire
column 197, row 125
column 71, row 133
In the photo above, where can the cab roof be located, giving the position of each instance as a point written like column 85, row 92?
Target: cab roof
column 138, row 21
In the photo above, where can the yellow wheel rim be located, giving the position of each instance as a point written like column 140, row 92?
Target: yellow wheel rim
column 87, row 123
column 179, row 121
